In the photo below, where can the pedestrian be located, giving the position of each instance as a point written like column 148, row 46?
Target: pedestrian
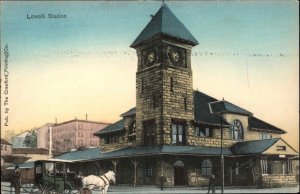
column 162, row 180
column 16, row 179
column 211, row 184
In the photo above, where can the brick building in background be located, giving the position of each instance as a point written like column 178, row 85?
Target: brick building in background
column 75, row 133
column 43, row 136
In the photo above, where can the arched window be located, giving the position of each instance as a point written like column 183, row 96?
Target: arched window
column 237, row 131
column 206, row 167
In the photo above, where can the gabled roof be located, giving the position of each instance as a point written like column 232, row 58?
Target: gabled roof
column 263, row 147
column 201, row 109
column 259, row 125
column 227, row 107
column 252, row 147
column 165, row 23
column 202, row 115
column 115, row 127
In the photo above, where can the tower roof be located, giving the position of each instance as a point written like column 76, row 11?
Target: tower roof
column 165, row 23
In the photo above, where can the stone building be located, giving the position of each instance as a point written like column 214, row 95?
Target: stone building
column 177, row 132
column 75, row 133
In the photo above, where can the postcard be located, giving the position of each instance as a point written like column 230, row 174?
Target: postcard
column 199, row 94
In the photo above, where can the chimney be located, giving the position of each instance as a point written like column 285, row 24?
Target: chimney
column 86, row 116
column 55, row 120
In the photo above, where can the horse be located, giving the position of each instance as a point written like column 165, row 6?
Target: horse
column 101, row 182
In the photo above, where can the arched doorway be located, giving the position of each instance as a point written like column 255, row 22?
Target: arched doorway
column 179, row 173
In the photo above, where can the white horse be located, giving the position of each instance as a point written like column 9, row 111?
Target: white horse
column 101, row 182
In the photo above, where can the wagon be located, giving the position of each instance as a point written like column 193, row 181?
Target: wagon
column 53, row 176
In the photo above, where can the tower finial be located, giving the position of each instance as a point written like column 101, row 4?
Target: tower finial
column 163, row 3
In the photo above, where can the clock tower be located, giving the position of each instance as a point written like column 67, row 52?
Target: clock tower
column 164, row 88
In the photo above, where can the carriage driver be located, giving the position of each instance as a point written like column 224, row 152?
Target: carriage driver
column 16, row 179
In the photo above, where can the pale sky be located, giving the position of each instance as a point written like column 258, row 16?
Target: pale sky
column 66, row 68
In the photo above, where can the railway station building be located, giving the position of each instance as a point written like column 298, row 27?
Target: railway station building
column 181, row 133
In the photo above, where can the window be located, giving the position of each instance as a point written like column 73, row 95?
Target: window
column 202, row 132
column 149, row 172
column 132, row 127
column 237, row 131
column 266, row 136
column 185, row 103
column 206, row 168
column 237, row 168
column 285, row 168
column 92, row 143
column 266, row 166
column 80, row 134
column 149, row 132
column 178, row 134
column 80, row 143
column 154, row 101
column 111, row 139
column 281, row 148
column 92, row 135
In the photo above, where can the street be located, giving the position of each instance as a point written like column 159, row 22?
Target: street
column 182, row 190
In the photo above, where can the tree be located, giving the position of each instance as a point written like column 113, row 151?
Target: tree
column 30, row 140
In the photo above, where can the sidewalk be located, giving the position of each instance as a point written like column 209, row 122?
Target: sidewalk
column 183, row 190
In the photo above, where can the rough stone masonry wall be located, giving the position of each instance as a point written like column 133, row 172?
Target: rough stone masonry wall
column 214, row 141
column 114, row 146
column 178, row 101
column 270, row 180
column 150, row 80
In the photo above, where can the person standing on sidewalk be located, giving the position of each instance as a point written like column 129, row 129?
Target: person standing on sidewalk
column 162, row 180
column 211, row 184
column 16, row 179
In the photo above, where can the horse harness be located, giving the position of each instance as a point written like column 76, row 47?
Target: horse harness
column 101, row 177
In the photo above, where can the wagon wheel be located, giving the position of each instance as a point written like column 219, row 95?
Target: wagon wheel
column 29, row 187
column 85, row 190
column 68, row 190
column 45, row 189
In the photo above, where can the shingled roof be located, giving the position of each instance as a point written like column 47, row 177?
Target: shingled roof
column 259, row 125
column 165, row 23
column 129, row 113
column 85, row 154
column 227, row 107
column 203, row 115
column 253, row 147
column 115, row 127
column 201, row 109
column 96, row 154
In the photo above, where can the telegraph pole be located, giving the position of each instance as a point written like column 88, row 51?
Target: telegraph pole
column 222, row 155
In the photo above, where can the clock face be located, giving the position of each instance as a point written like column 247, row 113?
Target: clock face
column 150, row 57
column 176, row 56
